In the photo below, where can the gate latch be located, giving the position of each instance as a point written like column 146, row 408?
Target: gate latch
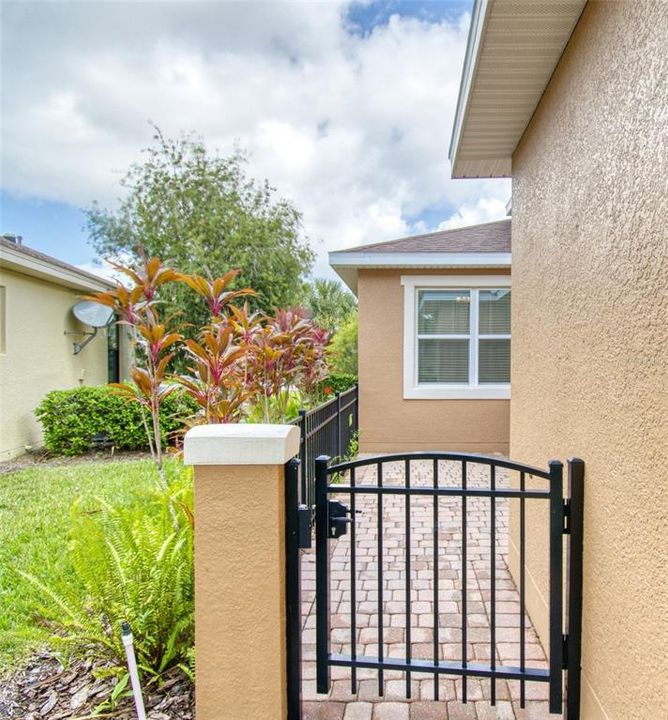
column 303, row 527
column 338, row 520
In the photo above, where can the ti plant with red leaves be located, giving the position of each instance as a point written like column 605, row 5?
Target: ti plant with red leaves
column 286, row 354
column 217, row 362
column 239, row 362
column 154, row 343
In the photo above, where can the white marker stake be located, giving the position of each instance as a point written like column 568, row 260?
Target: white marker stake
column 132, row 669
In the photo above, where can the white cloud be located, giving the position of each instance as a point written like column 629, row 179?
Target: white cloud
column 354, row 130
column 485, row 209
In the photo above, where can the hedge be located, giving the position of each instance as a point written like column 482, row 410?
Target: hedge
column 72, row 418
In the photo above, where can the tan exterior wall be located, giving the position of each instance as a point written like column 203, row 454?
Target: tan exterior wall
column 590, row 337
column 389, row 423
column 38, row 357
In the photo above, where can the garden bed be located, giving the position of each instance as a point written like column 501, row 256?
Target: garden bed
column 35, row 530
column 45, row 688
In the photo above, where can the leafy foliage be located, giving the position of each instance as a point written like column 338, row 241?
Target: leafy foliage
column 71, row 418
column 203, row 214
column 335, row 383
column 35, row 527
column 330, row 304
column 286, row 353
column 128, row 562
column 236, row 361
column 342, row 351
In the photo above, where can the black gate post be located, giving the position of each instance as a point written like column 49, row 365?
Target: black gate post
column 576, row 471
column 556, row 584
column 303, row 498
column 292, row 591
column 322, row 582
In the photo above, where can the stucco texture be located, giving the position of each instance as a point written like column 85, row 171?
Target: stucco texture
column 388, row 423
column 590, row 336
column 38, row 356
column 240, row 610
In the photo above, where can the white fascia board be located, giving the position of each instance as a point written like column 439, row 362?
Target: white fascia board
column 37, row 267
column 341, row 259
column 479, row 17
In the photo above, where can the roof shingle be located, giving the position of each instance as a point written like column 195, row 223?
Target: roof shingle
column 492, row 237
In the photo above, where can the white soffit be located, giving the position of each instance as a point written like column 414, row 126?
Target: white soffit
column 513, row 48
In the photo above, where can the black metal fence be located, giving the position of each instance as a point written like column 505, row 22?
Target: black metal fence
column 329, row 430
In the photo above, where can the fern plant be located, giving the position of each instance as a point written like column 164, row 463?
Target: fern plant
column 128, row 563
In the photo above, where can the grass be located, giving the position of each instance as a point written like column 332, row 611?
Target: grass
column 34, row 525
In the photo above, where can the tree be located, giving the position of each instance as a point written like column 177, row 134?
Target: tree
column 330, row 303
column 342, row 350
column 203, row 214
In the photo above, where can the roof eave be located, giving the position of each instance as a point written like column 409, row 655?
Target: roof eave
column 73, row 278
column 481, row 147
column 347, row 264
column 479, row 16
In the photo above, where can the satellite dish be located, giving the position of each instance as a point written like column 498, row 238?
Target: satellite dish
column 93, row 314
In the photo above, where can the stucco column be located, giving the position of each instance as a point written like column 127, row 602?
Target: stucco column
column 240, row 568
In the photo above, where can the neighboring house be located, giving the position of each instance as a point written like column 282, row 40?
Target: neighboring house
column 37, row 336
column 571, row 100
column 434, row 339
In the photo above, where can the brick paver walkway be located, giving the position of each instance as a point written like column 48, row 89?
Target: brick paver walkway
column 365, row 704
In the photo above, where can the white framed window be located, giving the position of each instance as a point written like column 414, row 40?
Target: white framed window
column 456, row 336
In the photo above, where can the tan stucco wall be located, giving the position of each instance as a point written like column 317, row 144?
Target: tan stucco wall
column 38, row 356
column 240, row 592
column 389, row 423
column 590, row 336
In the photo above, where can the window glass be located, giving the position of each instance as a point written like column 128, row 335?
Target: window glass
column 494, row 361
column 443, row 361
column 443, row 312
column 494, row 312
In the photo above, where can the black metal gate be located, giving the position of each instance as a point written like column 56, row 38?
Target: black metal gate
column 334, row 518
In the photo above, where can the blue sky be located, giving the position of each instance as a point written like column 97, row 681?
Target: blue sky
column 81, row 82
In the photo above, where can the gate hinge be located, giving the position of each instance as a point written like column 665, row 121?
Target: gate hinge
column 564, row 652
column 567, row 517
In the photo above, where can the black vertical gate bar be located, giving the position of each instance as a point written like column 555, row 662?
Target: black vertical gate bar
column 381, row 677
column 436, row 588
column 464, row 587
column 522, row 590
column 492, row 603
column 556, row 584
column 292, row 591
column 322, row 581
column 408, row 577
column 353, row 585
column 576, row 470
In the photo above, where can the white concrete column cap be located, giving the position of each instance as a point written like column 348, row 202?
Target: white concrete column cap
column 240, row 444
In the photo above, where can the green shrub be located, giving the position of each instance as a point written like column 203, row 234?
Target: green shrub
column 342, row 351
column 336, row 383
column 130, row 562
column 72, row 418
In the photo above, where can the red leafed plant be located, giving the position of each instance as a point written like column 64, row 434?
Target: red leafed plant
column 239, row 361
column 154, row 343
column 286, row 354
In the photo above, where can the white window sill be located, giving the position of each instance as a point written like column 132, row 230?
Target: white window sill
column 443, row 392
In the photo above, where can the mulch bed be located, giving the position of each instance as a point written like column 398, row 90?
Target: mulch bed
column 44, row 688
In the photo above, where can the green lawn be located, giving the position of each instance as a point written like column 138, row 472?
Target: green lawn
column 34, row 519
